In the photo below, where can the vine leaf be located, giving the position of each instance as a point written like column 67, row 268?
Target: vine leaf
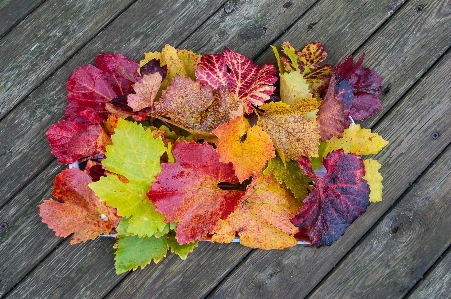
column 187, row 191
column 358, row 141
column 249, row 82
column 248, row 156
column 339, row 197
column 198, row 109
column 357, row 88
column 91, row 87
column 293, row 129
column 77, row 210
column 374, row 179
column 293, row 88
column 132, row 161
column 145, row 91
column 262, row 219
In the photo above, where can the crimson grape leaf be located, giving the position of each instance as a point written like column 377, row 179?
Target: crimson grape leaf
column 337, row 199
column 74, row 139
column 187, row 191
column 91, row 87
column 357, row 88
column 77, row 210
column 249, row 82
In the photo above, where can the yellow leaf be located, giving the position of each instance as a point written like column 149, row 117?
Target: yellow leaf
column 248, row 156
column 293, row 88
column 374, row 179
column 358, row 141
column 294, row 129
column 262, row 219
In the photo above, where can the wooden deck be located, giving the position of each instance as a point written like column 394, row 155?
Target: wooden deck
column 399, row 248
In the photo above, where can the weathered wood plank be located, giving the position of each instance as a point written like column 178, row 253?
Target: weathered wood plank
column 48, row 37
column 246, row 26
column 409, row 127
column 26, row 240
column 437, row 284
column 14, row 11
column 402, row 247
column 141, row 28
column 47, row 102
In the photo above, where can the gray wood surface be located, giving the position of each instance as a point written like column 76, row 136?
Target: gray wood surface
column 12, row 12
column 40, row 44
column 437, row 284
column 379, row 256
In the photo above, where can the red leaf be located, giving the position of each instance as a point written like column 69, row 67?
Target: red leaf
column 78, row 210
column 187, row 191
column 357, row 88
column 337, row 200
column 331, row 116
column 92, row 87
column 252, row 84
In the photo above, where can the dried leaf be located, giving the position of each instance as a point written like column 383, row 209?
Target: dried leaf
column 146, row 89
column 374, row 179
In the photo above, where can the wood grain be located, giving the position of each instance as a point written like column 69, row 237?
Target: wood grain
column 40, row 45
column 133, row 33
column 402, row 247
column 14, row 11
column 411, row 149
column 437, row 284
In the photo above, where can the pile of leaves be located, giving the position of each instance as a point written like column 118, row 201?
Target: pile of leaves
column 184, row 147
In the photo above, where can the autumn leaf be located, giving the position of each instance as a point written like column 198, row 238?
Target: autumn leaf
column 358, row 141
column 91, row 87
column 357, row 88
column 293, row 129
column 374, row 179
column 181, row 250
column 306, row 62
column 77, row 210
column 247, row 148
column 135, row 156
column 249, row 82
column 262, row 219
column 187, row 191
column 198, row 109
column 74, row 139
column 331, row 116
column 337, row 200
column 145, row 91
column 291, row 175
column 293, row 88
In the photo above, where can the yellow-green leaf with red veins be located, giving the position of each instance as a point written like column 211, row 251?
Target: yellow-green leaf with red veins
column 250, row 83
column 293, row 129
column 262, row 218
column 78, row 210
column 132, row 162
column 145, row 91
column 187, row 191
column 248, row 148
column 196, row 108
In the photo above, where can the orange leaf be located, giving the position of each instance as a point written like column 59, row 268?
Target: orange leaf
column 79, row 210
column 248, row 156
column 146, row 89
column 262, row 220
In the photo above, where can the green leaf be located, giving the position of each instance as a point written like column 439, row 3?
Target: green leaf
column 181, row 250
column 317, row 162
column 291, row 175
column 133, row 252
column 135, row 155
